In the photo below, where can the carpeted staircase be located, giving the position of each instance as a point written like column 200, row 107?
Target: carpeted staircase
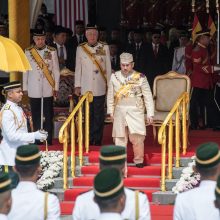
column 146, row 179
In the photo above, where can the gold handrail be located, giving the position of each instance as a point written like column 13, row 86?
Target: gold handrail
column 69, row 126
column 180, row 111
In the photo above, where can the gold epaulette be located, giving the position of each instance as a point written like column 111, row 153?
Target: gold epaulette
column 29, row 48
column 6, row 107
column 83, row 43
column 102, row 42
column 51, row 48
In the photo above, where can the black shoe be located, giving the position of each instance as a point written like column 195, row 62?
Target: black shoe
column 139, row 165
column 97, row 143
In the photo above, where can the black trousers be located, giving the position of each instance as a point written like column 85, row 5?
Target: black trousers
column 97, row 119
column 48, row 115
column 201, row 99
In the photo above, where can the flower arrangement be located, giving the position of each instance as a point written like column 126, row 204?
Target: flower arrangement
column 51, row 163
column 188, row 180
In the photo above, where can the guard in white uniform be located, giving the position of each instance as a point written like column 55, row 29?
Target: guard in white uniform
column 93, row 69
column 42, row 81
column 217, row 194
column 27, row 201
column 129, row 94
column 113, row 156
column 198, row 203
column 14, row 125
column 5, row 195
column 109, row 193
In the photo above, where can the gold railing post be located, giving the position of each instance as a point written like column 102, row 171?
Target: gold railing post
column 170, row 149
column 87, row 124
column 80, row 137
column 163, row 161
column 73, row 160
column 65, row 160
column 184, row 125
column 177, row 138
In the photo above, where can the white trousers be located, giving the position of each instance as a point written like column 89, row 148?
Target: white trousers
column 137, row 141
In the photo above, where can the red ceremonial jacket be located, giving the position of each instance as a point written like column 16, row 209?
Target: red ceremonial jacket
column 203, row 73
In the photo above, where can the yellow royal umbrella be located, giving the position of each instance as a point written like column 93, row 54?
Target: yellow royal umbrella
column 12, row 57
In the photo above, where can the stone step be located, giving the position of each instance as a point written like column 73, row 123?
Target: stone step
column 66, row 217
column 170, row 184
column 177, row 172
column 184, row 161
column 58, row 182
column 164, row 198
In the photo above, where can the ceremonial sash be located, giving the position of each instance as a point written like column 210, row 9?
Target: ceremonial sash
column 96, row 62
column 46, row 205
column 136, row 205
column 40, row 62
column 124, row 89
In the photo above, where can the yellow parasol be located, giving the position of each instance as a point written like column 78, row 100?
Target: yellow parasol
column 12, row 57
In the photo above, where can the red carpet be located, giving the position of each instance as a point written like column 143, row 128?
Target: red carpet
column 146, row 179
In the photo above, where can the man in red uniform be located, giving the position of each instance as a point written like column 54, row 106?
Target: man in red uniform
column 202, row 80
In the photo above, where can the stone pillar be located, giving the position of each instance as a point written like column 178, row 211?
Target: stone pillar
column 19, row 28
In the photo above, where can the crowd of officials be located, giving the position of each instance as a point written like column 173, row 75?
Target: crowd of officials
column 124, row 71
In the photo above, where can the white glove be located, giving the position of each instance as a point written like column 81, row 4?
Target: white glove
column 40, row 135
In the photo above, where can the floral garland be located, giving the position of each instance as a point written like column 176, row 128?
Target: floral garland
column 188, row 180
column 51, row 164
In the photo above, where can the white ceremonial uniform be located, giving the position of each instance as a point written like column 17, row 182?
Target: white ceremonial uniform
column 130, row 107
column 197, row 203
column 127, row 99
column 14, row 132
column 3, row 217
column 28, row 203
column 86, row 209
column 179, row 60
column 110, row 216
column 87, row 75
column 34, row 80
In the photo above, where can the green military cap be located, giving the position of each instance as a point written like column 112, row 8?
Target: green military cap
column 217, row 189
column 5, row 182
column 108, row 183
column 12, row 85
column 207, row 155
column 112, row 154
column 27, row 155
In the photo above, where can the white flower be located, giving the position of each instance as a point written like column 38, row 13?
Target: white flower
column 188, row 180
column 51, row 163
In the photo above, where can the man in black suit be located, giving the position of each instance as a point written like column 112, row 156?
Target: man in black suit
column 138, row 50
column 114, row 55
column 73, row 43
column 157, row 62
column 59, row 40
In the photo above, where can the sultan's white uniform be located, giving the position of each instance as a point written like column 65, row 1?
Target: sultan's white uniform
column 28, row 203
column 86, row 209
column 197, row 203
column 14, row 132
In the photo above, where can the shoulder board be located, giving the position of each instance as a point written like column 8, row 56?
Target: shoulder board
column 82, row 43
column 135, row 190
column 51, row 48
column 29, row 48
column 6, row 107
column 102, row 42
